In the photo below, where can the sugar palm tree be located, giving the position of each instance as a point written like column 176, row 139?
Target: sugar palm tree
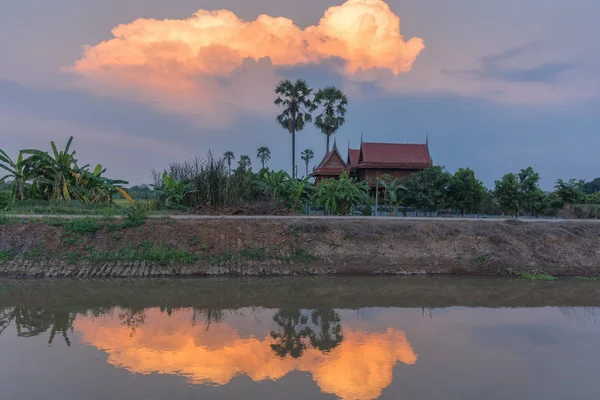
column 307, row 155
column 244, row 162
column 17, row 172
column 263, row 154
column 332, row 103
column 229, row 157
column 294, row 100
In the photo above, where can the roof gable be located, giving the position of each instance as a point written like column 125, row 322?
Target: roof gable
column 394, row 155
column 332, row 164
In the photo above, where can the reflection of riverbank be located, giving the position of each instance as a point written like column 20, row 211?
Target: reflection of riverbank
column 359, row 367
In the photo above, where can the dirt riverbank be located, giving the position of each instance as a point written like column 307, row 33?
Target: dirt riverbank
column 296, row 246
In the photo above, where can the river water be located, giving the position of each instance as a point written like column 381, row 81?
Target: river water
column 300, row 338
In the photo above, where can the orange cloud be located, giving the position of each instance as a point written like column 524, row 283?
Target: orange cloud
column 182, row 58
column 359, row 368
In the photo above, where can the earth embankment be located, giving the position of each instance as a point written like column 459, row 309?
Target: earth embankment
column 296, row 246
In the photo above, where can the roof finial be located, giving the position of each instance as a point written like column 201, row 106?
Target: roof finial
column 334, row 145
column 361, row 136
column 427, row 139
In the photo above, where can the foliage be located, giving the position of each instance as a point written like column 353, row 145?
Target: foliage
column 5, row 200
column 306, row 156
column 465, row 191
column 294, row 100
column 210, row 182
column 332, row 103
column 171, row 193
column 340, row 195
column 135, row 216
column 393, row 188
column 228, row 155
column 516, row 192
column 507, row 193
column 428, row 189
column 587, row 211
column 570, row 192
column 244, row 163
column 592, row 186
column 263, row 154
column 593, row 198
column 83, row 226
column 536, row 277
column 59, row 177
column 17, row 172
column 282, row 188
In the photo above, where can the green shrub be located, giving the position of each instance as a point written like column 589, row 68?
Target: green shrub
column 536, row 277
column 83, row 226
column 5, row 200
column 135, row 216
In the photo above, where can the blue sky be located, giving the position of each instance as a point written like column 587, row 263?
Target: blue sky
column 498, row 86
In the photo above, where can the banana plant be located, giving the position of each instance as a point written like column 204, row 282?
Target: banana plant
column 172, row 192
column 91, row 187
column 393, row 189
column 340, row 195
column 54, row 171
column 17, row 172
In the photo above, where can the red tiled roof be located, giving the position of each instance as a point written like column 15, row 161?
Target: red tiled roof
column 330, row 170
column 394, row 155
column 353, row 156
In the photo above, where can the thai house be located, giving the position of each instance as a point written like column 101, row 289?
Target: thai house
column 372, row 160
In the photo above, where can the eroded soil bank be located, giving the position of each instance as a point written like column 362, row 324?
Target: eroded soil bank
column 296, row 246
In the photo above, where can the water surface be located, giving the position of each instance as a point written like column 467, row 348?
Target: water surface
column 348, row 338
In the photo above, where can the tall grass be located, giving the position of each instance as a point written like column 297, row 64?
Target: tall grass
column 210, row 182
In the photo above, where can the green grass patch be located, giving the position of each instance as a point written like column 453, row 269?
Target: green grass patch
column 253, row 254
column 7, row 254
column 153, row 253
column 536, row 277
column 298, row 255
column 83, row 226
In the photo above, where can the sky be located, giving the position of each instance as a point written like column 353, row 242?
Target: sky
column 497, row 86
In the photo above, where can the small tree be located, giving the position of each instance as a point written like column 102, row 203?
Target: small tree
column 466, row 192
column 569, row 192
column 427, row 190
column 263, row 154
column 306, row 156
column 507, row 193
column 229, row 157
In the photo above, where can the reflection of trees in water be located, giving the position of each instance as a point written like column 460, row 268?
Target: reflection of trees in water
column 296, row 333
column 583, row 314
column 133, row 318
column 208, row 316
column 35, row 321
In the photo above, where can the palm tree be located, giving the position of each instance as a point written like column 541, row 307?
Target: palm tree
column 332, row 103
column 244, row 162
column 263, row 154
column 229, row 156
column 294, row 99
column 17, row 171
column 307, row 155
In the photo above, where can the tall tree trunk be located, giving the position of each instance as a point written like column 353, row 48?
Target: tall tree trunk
column 307, row 169
column 293, row 152
column 327, row 141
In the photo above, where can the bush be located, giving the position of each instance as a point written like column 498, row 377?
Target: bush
column 135, row 216
column 5, row 200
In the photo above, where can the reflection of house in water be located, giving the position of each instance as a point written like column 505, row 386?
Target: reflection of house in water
column 352, row 365
column 372, row 160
